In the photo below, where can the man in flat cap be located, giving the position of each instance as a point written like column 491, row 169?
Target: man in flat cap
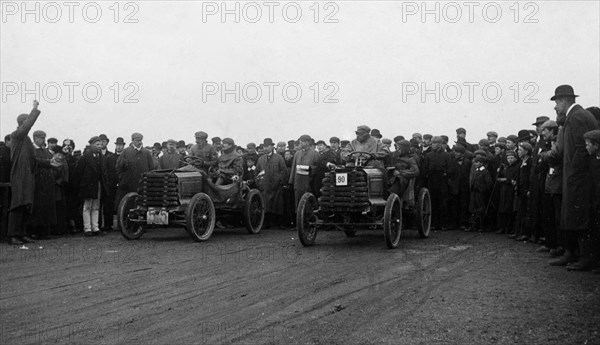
column 328, row 158
column 576, row 202
column 182, row 148
column 22, row 178
column 303, row 168
column 271, row 170
column 88, row 178
column 458, row 188
column 218, row 145
column 44, row 205
column 108, row 165
column 492, row 137
column 280, row 150
column 132, row 163
column 52, row 142
column 171, row 159
column 438, row 170
column 364, row 142
column 426, row 144
column 206, row 152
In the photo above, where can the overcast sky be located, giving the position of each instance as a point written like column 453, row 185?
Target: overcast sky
column 162, row 67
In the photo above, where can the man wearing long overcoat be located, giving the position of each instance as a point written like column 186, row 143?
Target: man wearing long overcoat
column 576, row 203
column 21, row 177
column 44, row 205
column 131, row 164
column 304, row 166
column 108, row 164
column 271, row 166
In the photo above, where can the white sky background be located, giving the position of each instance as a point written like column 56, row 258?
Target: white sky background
column 368, row 54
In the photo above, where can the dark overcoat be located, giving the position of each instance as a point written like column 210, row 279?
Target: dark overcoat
column 22, row 157
column 44, row 199
column 271, row 187
column 89, row 174
column 576, row 185
column 108, row 164
column 131, row 165
column 507, row 188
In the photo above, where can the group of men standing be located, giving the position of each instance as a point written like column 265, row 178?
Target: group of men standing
column 539, row 186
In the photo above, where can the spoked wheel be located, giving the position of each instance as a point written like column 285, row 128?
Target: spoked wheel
column 200, row 217
column 254, row 212
column 392, row 221
column 424, row 213
column 130, row 230
column 304, row 216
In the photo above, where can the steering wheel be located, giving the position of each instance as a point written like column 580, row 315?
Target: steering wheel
column 194, row 160
column 359, row 155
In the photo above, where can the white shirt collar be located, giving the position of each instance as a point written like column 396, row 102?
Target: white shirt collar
column 570, row 108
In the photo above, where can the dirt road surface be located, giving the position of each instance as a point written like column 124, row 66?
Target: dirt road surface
column 452, row 288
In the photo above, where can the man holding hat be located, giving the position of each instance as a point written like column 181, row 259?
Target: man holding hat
column 304, row 167
column 271, row 170
column 22, row 177
column 131, row 164
column 170, row 159
column 206, row 152
column 575, row 216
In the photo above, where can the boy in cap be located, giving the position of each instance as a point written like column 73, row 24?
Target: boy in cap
column 480, row 183
column 459, row 187
column 522, row 229
column 507, row 180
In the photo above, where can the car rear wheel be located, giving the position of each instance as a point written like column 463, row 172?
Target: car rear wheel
column 254, row 212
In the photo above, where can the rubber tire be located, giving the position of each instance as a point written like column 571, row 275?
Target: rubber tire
column 127, row 203
column 392, row 221
column 254, row 194
column 424, row 211
column 210, row 215
column 304, row 214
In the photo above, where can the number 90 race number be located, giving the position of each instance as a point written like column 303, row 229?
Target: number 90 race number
column 341, row 179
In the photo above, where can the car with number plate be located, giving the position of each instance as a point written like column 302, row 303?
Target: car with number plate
column 186, row 197
column 357, row 197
